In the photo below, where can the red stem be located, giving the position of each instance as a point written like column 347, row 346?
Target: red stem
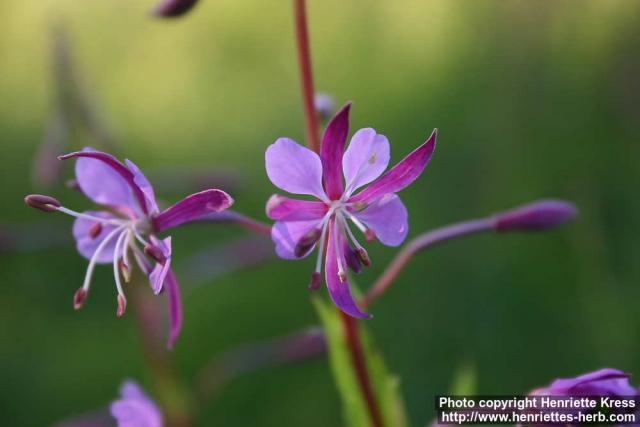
column 304, row 61
column 352, row 335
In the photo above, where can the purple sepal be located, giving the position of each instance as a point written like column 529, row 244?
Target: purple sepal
column 540, row 215
column 339, row 290
column 175, row 308
column 117, row 167
column 192, row 208
column 401, row 175
column 332, row 149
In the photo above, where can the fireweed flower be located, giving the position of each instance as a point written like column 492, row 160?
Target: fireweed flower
column 129, row 218
column 134, row 408
column 376, row 211
column 603, row 382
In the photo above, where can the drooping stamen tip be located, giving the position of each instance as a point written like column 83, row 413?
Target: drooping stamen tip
column 122, row 305
column 316, row 279
column 155, row 253
column 370, row 235
column 536, row 216
column 342, row 275
column 78, row 298
column 95, row 230
column 42, row 202
column 306, row 242
column 125, row 270
column 364, row 257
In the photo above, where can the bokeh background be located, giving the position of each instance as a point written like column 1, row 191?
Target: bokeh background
column 533, row 99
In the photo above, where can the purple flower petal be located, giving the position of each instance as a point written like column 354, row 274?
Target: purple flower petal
column 135, row 408
column 388, row 219
column 192, row 208
column 339, row 291
column 175, row 308
column 401, row 175
column 160, row 271
column 101, row 184
column 145, row 186
column 332, row 149
column 281, row 208
column 287, row 234
column 365, row 159
column 604, row 382
column 294, row 168
column 86, row 244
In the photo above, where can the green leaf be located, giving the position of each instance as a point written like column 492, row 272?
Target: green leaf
column 386, row 386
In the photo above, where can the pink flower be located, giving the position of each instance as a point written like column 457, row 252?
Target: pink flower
column 129, row 215
column 375, row 210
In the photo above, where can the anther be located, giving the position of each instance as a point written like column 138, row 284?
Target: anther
column 370, row 235
column 95, row 230
column 44, row 203
column 306, row 242
column 364, row 257
column 314, row 284
column 125, row 270
column 122, row 305
column 79, row 298
column 155, row 253
column 342, row 275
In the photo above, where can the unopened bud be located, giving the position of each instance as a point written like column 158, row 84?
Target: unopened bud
column 125, row 270
column 536, row 216
column 370, row 235
column 364, row 257
column 172, row 8
column 306, row 242
column 79, row 298
column 155, row 253
column 95, row 230
column 44, row 203
column 122, row 305
column 314, row 284
column 325, row 105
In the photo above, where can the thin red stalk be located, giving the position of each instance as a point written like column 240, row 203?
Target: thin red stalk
column 306, row 76
column 352, row 335
column 420, row 243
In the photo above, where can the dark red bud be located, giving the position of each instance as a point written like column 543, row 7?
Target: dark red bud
column 314, row 284
column 95, row 230
column 79, row 298
column 306, row 242
column 44, row 203
column 122, row 306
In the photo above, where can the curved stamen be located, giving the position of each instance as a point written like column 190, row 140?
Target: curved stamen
column 96, row 254
column 336, row 245
column 91, row 217
column 116, row 270
column 360, row 250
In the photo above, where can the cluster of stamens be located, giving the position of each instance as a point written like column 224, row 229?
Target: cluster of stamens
column 126, row 232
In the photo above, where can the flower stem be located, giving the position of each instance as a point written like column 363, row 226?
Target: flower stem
column 352, row 335
column 304, row 62
column 422, row 242
column 350, row 324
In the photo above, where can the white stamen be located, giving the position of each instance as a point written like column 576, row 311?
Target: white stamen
column 355, row 220
column 96, row 254
column 350, row 233
column 336, row 247
column 141, row 260
column 125, row 249
column 91, row 217
column 116, row 257
column 139, row 237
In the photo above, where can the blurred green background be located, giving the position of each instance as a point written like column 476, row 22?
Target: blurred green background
column 533, row 99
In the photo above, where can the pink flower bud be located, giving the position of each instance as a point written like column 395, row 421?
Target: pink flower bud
column 536, row 216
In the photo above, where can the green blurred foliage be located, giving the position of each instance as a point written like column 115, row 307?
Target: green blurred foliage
column 533, row 99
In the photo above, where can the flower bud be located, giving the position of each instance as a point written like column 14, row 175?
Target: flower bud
column 173, row 8
column 122, row 305
column 314, row 284
column 306, row 242
column 79, row 298
column 536, row 216
column 44, row 203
